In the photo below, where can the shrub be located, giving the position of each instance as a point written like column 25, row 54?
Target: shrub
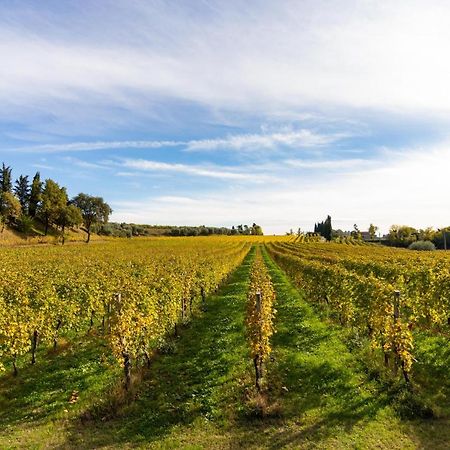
column 422, row 245
column 25, row 224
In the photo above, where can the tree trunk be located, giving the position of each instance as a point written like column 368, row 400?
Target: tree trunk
column 55, row 341
column 147, row 360
column 91, row 324
column 46, row 226
column 16, row 372
column 203, row 298
column 63, row 235
column 34, row 344
column 256, row 362
column 88, row 229
column 405, row 373
column 127, row 370
column 183, row 309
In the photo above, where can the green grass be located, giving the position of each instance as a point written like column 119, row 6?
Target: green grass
column 35, row 405
column 200, row 394
column 330, row 400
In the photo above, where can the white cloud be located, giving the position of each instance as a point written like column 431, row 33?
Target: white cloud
column 337, row 164
column 219, row 172
column 83, row 164
column 93, row 146
column 286, row 138
column 410, row 188
column 301, row 138
column 290, row 55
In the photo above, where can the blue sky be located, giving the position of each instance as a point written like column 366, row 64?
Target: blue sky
column 218, row 113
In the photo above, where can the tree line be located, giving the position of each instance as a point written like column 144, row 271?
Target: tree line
column 25, row 202
column 405, row 236
column 131, row 230
column 398, row 236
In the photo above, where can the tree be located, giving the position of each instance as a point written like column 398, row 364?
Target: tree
column 10, row 209
column 428, row 234
column 325, row 228
column 35, row 195
column 93, row 209
column 5, row 179
column 22, row 190
column 54, row 199
column 402, row 235
column 9, row 205
column 69, row 216
column 256, row 230
column 356, row 233
column 373, row 231
column 25, row 224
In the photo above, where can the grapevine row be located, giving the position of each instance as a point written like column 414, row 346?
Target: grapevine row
column 137, row 294
column 260, row 315
column 365, row 302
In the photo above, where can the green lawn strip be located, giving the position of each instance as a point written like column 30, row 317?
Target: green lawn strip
column 194, row 391
column 431, row 371
column 325, row 395
column 35, row 404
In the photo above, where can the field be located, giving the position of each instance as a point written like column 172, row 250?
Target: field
column 224, row 342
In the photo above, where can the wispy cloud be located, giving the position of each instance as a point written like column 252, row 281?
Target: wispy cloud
column 299, row 139
column 84, row 164
column 158, row 87
column 286, row 138
column 93, row 146
column 43, row 166
column 336, row 164
column 219, row 172
column 370, row 57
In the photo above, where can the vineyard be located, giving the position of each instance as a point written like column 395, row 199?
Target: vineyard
column 137, row 298
column 224, row 342
column 385, row 294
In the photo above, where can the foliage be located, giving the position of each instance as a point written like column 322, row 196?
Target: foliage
column 260, row 316
column 93, row 210
column 68, row 216
column 5, row 179
column 325, row 228
column 422, row 245
column 383, row 293
column 35, row 195
column 47, row 203
column 25, row 224
column 22, row 191
column 54, row 199
column 10, row 208
column 136, row 294
column 373, row 231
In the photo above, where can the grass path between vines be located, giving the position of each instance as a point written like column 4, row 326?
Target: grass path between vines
column 330, row 402
column 190, row 395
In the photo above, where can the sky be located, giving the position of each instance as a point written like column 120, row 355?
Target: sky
column 221, row 113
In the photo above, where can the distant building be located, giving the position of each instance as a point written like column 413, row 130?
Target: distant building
column 365, row 235
column 340, row 233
